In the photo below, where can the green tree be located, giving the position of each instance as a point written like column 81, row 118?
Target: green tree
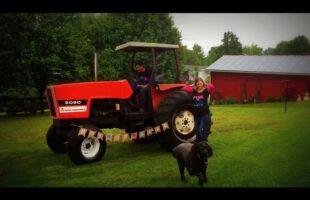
column 143, row 27
column 269, row 51
column 198, row 51
column 298, row 46
column 36, row 46
column 14, row 31
column 54, row 45
column 231, row 45
column 252, row 50
column 192, row 57
column 214, row 54
column 282, row 48
column 95, row 27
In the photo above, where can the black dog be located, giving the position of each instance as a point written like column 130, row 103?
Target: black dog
column 195, row 158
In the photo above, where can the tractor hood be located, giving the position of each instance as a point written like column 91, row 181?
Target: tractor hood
column 67, row 101
column 93, row 90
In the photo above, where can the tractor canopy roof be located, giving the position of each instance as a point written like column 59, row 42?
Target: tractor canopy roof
column 153, row 48
column 144, row 46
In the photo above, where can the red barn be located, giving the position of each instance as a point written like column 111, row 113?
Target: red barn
column 259, row 78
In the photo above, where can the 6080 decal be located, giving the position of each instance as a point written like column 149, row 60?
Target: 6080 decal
column 72, row 102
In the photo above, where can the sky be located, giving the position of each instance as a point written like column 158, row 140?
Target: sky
column 264, row 30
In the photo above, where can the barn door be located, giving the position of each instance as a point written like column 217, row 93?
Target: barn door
column 250, row 90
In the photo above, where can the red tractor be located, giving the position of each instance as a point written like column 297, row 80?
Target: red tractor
column 106, row 104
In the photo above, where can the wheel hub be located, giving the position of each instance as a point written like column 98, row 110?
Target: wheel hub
column 90, row 147
column 184, row 122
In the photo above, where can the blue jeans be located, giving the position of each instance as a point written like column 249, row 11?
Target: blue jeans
column 143, row 95
column 203, row 126
column 144, row 98
column 134, row 86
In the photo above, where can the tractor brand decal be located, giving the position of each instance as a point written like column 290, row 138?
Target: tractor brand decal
column 70, row 109
column 72, row 102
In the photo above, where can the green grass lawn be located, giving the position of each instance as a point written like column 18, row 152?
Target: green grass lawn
column 254, row 146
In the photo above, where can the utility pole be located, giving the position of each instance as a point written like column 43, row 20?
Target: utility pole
column 96, row 65
column 286, row 95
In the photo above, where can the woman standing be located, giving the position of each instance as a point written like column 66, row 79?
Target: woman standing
column 201, row 108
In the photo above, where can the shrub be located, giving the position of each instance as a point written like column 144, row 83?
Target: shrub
column 270, row 98
column 231, row 100
column 219, row 102
column 279, row 98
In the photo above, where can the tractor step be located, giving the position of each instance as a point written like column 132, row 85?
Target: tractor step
column 137, row 119
column 139, row 115
column 137, row 124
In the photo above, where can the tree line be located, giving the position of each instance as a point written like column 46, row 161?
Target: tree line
column 38, row 49
column 42, row 49
column 231, row 46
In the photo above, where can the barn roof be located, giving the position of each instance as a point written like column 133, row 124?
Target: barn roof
column 285, row 65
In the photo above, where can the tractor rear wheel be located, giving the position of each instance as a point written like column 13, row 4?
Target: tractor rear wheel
column 83, row 148
column 176, row 109
column 55, row 141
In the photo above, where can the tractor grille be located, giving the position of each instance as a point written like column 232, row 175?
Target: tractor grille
column 50, row 102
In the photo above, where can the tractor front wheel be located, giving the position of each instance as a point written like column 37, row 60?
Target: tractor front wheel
column 87, row 147
column 55, row 141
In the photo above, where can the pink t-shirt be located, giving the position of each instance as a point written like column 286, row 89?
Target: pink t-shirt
column 189, row 88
